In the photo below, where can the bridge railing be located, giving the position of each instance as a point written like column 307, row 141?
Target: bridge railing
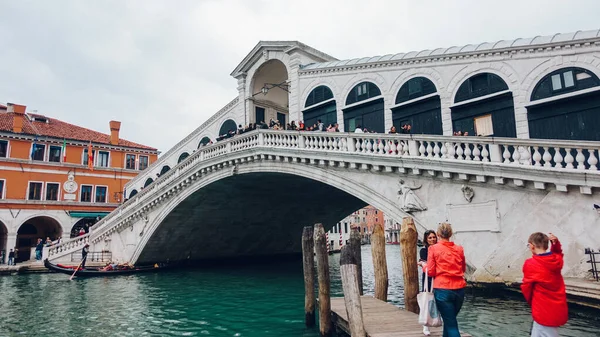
column 533, row 154
column 66, row 247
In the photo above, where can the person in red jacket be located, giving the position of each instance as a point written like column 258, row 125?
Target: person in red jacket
column 543, row 285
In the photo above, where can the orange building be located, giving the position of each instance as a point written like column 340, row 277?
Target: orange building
column 49, row 184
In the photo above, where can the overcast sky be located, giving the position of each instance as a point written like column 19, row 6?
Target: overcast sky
column 162, row 67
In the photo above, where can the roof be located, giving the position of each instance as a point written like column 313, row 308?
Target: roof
column 58, row 129
column 469, row 48
column 285, row 46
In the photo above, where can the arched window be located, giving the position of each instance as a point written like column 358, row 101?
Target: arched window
column 326, row 112
column 182, row 157
column 574, row 117
column 368, row 115
column 148, row 182
column 480, row 85
column 164, row 169
column 415, row 88
column 423, row 115
column 318, row 95
column 133, row 193
column 362, row 91
column 484, row 116
column 228, row 125
column 203, row 142
column 563, row 81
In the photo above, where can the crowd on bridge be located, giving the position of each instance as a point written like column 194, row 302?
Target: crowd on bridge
column 444, row 265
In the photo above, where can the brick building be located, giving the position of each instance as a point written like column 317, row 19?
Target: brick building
column 49, row 184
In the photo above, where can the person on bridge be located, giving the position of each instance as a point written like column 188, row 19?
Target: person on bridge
column 447, row 265
column 429, row 239
column 84, row 254
column 543, row 285
column 11, row 258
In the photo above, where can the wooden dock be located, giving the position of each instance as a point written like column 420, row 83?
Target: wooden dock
column 381, row 319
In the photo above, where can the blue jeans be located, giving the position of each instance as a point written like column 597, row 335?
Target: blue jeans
column 38, row 254
column 449, row 302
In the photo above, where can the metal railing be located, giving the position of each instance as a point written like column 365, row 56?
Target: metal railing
column 593, row 261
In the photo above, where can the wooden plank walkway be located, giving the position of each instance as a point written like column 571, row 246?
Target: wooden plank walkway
column 382, row 319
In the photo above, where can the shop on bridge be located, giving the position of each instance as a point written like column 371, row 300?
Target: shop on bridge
column 417, row 104
column 364, row 108
column 320, row 105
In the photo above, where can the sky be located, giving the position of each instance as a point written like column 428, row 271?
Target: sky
column 162, row 67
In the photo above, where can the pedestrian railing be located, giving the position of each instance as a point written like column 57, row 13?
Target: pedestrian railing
column 542, row 161
column 593, row 261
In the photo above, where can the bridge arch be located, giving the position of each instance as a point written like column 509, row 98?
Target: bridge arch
column 565, row 104
column 364, row 108
column 148, row 182
column 164, row 170
column 355, row 195
column 133, row 193
column 227, row 126
column 32, row 228
column 4, row 240
column 204, row 141
column 269, row 89
column 418, row 105
column 320, row 104
column 484, row 106
column 182, row 157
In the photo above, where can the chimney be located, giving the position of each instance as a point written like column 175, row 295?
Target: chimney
column 19, row 111
column 114, row 132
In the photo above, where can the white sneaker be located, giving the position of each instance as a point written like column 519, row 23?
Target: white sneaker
column 426, row 331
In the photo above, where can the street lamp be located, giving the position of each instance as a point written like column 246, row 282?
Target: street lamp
column 285, row 86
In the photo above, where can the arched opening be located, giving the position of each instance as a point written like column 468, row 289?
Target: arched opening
column 182, row 157
column 368, row 115
column 133, row 193
column 270, row 93
column 320, row 105
column 418, row 105
column 228, row 129
column 203, row 142
column 574, row 116
column 85, row 224
column 483, row 106
column 164, row 169
column 40, row 227
column 148, row 182
column 3, row 243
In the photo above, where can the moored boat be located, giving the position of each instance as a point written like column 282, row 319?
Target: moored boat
column 90, row 272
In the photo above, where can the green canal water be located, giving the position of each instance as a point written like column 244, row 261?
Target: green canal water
column 234, row 300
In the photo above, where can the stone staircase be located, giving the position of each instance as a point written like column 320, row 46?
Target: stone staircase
column 583, row 291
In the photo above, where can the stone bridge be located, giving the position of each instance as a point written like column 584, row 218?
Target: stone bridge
column 250, row 195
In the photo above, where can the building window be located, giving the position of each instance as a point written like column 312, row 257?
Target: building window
column 3, row 149
column 130, row 162
column 86, row 193
column 2, row 189
column 484, row 126
column 85, row 156
column 102, row 159
column 35, row 191
column 143, row 163
column 100, row 194
column 52, row 191
column 54, row 155
column 38, row 152
column 346, row 227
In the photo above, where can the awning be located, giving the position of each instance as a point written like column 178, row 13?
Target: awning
column 88, row 214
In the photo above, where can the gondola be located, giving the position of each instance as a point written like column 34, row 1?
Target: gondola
column 91, row 272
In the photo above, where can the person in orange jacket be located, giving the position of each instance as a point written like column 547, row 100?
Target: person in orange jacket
column 543, row 285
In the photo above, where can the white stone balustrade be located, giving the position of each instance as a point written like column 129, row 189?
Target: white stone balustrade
column 533, row 158
column 67, row 247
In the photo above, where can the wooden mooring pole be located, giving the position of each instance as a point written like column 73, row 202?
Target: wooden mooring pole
column 308, row 263
column 355, row 240
column 349, row 274
column 379, row 262
column 408, row 243
column 325, row 324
